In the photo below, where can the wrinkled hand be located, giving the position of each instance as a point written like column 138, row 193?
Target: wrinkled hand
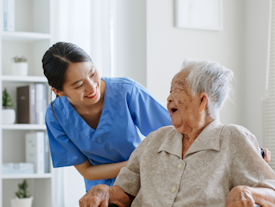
column 240, row 196
column 267, row 156
column 97, row 196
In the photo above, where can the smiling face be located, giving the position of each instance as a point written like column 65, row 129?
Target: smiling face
column 183, row 106
column 82, row 85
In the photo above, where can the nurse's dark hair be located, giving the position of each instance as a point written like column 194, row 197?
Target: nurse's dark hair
column 57, row 59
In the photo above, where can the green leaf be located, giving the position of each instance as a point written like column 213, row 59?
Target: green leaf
column 22, row 192
column 6, row 99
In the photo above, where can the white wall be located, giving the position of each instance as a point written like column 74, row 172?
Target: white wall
column 167, row 46
column 256, row 36
column 151, row 49
column 74, row 187
column 131, row 40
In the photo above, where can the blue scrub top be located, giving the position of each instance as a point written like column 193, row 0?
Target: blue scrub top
column 127, row 105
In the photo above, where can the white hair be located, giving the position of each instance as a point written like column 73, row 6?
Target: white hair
column 211, row 78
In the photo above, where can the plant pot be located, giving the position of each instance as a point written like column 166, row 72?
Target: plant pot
column 21, row 202
column 20, row 69
column 8, row 116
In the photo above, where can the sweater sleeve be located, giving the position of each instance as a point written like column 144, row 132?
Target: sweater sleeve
column 248, row 166
column 129, row 177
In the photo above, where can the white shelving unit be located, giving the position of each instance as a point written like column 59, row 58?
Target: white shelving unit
column 31, row 38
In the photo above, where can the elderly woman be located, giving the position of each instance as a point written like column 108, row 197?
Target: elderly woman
column 198, row 161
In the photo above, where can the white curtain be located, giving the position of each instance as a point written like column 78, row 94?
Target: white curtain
column 86, row 23
column 269, row 100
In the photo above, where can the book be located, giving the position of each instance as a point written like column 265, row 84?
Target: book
column 26, row 111
column 5, row 15
column 46, row 153
column 8, row 15
column 32, row 104
column 41, row 102
column 35, row 150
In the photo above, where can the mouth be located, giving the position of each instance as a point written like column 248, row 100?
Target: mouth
column 173, row 110
column 92, row 94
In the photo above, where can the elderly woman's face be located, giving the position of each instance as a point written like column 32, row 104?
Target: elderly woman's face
column 182, row 105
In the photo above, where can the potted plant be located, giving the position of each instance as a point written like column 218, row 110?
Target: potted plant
column 23, row 197
column 8, row 115
column 20, row 66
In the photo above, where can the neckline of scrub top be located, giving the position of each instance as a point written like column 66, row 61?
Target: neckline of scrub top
column 106, row 118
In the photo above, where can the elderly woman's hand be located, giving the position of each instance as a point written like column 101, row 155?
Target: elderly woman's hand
column 101, row 195
column 267, row 156
column 240, row 196
column 96, row 196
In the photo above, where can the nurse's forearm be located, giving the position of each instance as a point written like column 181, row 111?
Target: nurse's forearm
column 98, row 172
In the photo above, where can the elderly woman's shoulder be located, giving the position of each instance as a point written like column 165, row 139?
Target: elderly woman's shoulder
column 237, row 132
column 156, row 138
column 163, row 132
column 166, row 129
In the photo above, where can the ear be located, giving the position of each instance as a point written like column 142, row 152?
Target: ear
column 203, row 101
column 57, row 92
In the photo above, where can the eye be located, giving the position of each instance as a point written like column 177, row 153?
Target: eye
column 92, row 75
column 94, row 72
column 79, row 86
column 171, row 89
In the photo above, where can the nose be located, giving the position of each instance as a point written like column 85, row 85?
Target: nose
column 169, row 98
column 91, row 86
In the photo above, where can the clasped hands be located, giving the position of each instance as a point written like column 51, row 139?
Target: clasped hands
column 101, row 195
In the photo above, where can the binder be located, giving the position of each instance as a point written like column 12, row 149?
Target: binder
column 41, row 102
column 46, row 153
column 26, row 109
column 35, row 151
column 8, row 15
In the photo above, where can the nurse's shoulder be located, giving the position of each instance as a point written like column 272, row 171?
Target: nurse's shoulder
column 51, row 115
column 126, row 84
column 119, row 80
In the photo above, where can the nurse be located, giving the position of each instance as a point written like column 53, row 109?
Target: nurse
column 94, row 122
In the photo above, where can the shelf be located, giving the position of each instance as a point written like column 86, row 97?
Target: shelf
column 27, row 176
column 25, row 36
column 32, row 37
column 24, row 127
column 10, row 78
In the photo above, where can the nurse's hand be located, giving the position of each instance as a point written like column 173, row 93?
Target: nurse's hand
column 102, row 195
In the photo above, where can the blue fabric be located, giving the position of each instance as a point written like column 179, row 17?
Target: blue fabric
column 127, row 106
